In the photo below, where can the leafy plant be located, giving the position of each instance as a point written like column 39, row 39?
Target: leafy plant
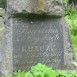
column 65, row 1
column 74, row 73
column 41, row 70
column 62, row 73
column 9, row 75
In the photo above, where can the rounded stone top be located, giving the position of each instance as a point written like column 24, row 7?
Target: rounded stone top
column 49, row 7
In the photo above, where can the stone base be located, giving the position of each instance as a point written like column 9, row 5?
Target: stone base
column 19, row 30
column 69, row 55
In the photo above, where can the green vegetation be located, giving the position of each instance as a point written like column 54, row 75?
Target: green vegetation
column 65, row 1
column 2, row 3
column 71, row 17
column 41, row 70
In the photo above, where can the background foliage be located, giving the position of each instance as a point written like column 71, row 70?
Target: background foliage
column 71, row 17
column 2, row 3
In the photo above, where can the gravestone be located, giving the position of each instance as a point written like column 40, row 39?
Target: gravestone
column 34, row 33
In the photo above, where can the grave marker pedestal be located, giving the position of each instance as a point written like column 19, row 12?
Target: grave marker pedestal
column 34, row 36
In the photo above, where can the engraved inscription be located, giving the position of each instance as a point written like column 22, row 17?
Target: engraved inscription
column 37, row 42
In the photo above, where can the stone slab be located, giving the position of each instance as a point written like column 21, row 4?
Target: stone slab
column 33, row 39
column 49, row 7
column 37, row 40
column 69, row 55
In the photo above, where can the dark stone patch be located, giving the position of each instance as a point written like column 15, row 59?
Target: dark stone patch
column 37, row 41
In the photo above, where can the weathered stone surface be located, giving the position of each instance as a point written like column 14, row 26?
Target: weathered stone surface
column 37, row 41
column 49, row 7
column 1, row 41
column 6, row 66
column 0, row 74
column 36, row 38
column 0, row 62
column 1, row 22
column 69, row 55
column 31, row 41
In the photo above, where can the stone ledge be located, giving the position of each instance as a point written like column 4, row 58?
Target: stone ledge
column 49, row 7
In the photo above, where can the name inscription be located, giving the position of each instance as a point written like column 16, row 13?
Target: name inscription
column 37, row 42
